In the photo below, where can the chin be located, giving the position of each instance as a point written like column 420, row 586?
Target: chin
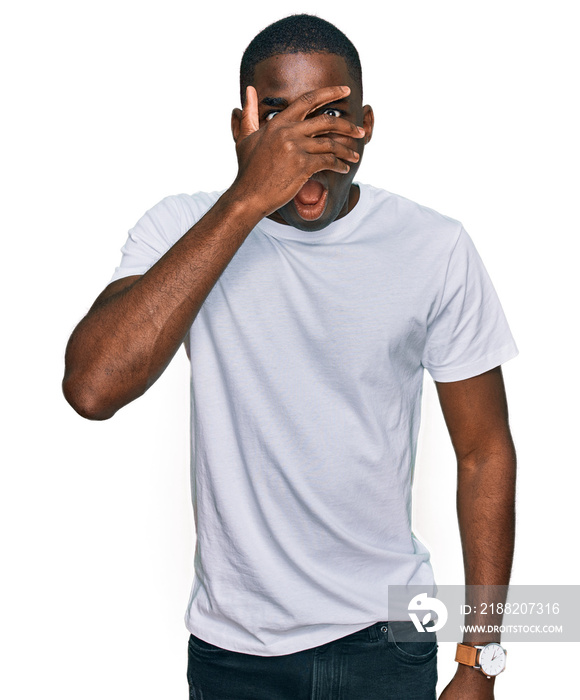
column 303, row 225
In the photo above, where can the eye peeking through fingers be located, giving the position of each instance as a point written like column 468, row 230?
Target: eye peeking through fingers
column 332, row 112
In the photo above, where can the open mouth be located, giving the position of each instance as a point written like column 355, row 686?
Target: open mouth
column 310, row 202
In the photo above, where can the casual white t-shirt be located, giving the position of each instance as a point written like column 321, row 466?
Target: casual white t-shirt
column 307, row 362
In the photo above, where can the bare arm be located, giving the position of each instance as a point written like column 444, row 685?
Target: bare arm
column 476, row 414
column 137, row 324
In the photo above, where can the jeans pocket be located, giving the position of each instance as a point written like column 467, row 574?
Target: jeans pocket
column 410, row 645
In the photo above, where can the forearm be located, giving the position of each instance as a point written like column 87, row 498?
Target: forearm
column 486, row 513
column 127, row 340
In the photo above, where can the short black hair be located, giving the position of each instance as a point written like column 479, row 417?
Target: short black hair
column 298, row 34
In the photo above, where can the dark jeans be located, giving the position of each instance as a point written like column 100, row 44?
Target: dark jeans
column 388, row 660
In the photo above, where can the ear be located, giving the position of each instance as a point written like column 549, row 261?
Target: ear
column 236, row 123
column 368, row 122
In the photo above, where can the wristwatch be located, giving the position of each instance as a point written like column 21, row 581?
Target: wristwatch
column 489, row 659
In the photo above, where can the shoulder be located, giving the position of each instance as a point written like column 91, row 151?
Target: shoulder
column 186, row 206
column 409, row 220
column 174, row 215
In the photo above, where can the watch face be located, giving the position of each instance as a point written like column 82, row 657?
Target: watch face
column 492, row 659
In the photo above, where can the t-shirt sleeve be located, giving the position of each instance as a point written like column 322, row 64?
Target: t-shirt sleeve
column 469, row 334
column 158, row 229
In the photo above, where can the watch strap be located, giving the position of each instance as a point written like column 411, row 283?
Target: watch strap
column 466, row 654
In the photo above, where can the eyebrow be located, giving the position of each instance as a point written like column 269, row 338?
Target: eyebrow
column 274, row 102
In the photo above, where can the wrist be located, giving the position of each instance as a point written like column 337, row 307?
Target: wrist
column 244, row 205
column 472, row 678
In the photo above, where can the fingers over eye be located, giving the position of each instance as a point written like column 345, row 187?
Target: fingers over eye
column 327, row 123
column 311, row 101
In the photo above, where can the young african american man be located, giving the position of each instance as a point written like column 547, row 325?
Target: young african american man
column 310, row 305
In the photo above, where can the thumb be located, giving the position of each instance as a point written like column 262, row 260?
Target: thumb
column 250, row 118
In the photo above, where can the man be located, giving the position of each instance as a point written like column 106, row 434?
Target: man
column 309, row 306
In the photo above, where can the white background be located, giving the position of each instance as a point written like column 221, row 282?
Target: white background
column 109, row 107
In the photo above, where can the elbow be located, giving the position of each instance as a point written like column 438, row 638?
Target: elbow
column 88, row 403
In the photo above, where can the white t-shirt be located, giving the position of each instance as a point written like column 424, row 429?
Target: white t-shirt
column 307, row 363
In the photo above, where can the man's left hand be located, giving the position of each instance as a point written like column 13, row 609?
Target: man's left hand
column 468, row 684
